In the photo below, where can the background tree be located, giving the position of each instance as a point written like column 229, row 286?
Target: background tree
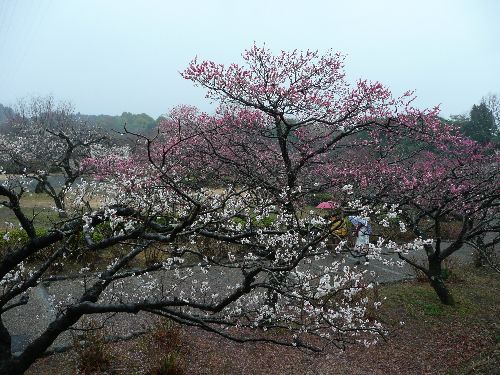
column 42, row 139
column 5, row 114
column 492, row 101
column 445, row 178
column 295, row 113
column 481, row 124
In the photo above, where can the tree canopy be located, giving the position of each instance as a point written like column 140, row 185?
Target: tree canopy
column 481, row 124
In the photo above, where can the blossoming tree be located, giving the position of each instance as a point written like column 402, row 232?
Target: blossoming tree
column 221, row 200
column 44, row 138
column 436, row 177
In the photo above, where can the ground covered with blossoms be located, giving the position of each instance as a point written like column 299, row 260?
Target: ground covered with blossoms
column 425, row 337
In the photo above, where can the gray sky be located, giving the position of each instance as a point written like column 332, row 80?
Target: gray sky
column 110, row 56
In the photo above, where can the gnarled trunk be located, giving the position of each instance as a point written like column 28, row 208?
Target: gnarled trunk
column 436, row 278
column 6, row 363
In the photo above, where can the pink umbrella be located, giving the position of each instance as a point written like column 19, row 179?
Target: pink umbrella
column 328, row 205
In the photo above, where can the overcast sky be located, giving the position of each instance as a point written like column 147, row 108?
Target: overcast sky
column 110, row 56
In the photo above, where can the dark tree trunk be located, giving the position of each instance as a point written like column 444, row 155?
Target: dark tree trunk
column 6, row 360
column 5, row 343
column 18, row 365
column 479, row 258
column 437, row 282
column 40, row 188
column 10, row 367
column 60, row 207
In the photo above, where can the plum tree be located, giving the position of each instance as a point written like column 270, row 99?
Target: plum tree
column 44, row 138
column 221, row 199
column 435, row 176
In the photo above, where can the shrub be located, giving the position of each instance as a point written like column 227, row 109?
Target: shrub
column 165, row 334
column 152, row 256
column 17, row 236
column 163, row 343
column 211, row 247
column 169, row 365
column 92, row 351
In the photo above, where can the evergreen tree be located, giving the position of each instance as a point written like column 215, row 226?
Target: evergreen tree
column 481, row 124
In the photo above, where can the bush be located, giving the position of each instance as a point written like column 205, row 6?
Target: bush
column 169, row 365
column 17, row 236
column 92, row 351
column 165, row 334
column 254, row 222
column 163, row 342
column 153, row 255
column 211, row 247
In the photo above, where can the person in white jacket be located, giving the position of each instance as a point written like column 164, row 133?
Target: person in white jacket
column 362, row 230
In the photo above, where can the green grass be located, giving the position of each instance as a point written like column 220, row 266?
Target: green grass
column 36, row 206
column 472, row 291
column 19, row 236
column 477, row 307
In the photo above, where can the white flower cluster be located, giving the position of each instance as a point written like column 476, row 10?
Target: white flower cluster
column 348, row 189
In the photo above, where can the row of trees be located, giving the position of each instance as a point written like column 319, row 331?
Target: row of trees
column 223, row 198
column 140, row 123
column 482, row 124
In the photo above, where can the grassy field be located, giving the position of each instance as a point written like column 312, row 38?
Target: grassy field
column 39, row 206
column 434, row 339
column 36, row 206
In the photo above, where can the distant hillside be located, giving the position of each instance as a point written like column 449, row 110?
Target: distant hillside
column 140, row 123
column 137, row 123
